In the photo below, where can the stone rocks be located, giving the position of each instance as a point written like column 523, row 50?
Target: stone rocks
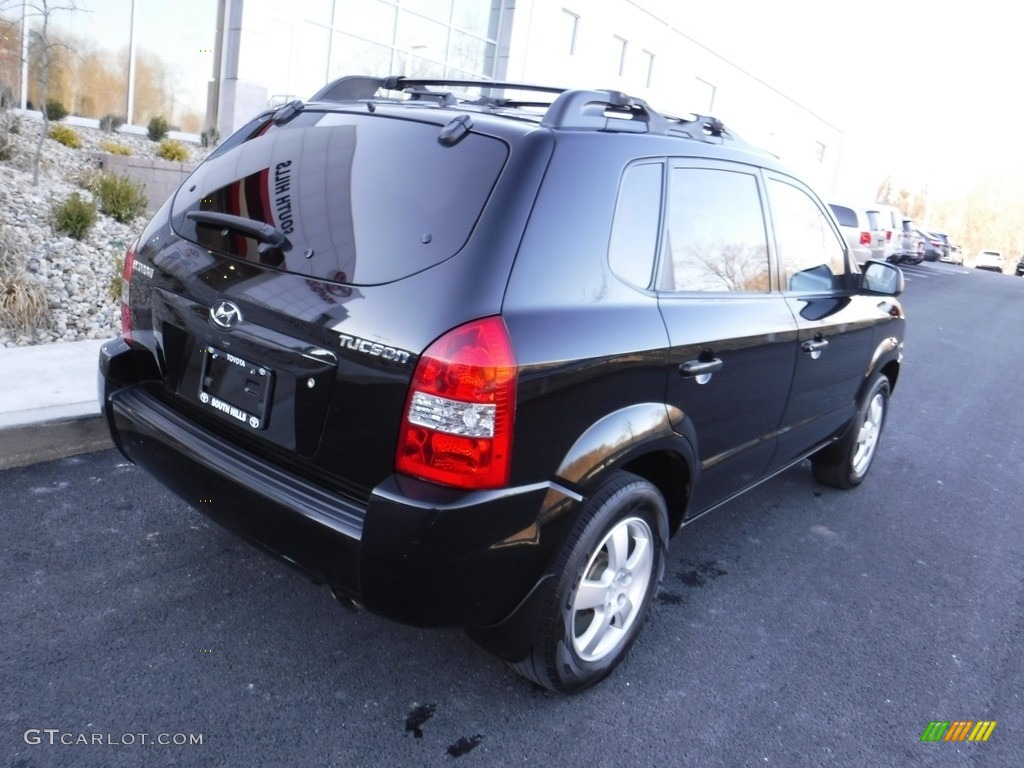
column 79, row 277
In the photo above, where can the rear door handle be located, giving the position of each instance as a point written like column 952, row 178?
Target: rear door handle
column 700, row 367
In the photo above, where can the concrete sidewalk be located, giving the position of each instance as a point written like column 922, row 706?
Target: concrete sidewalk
column 49, row 407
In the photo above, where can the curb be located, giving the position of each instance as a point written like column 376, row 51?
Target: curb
column 49, row 408
column 46, row 441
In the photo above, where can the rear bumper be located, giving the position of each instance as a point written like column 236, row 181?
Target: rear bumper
column 413, row 552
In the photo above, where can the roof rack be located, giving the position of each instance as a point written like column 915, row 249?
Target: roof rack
column 596, row 110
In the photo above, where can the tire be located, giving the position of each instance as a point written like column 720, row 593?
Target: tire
column 607, row 575
column 845, row 464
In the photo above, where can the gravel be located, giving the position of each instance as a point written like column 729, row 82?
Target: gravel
column 77, row 276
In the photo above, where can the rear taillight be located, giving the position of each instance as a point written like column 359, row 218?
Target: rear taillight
column 126, row 287
column 888, row 235
column 865, row 238
column 457, row 427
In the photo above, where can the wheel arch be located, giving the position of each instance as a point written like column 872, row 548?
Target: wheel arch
column 639, row 439
column 885, row 361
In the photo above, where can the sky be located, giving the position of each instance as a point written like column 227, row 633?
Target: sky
column 928, row 93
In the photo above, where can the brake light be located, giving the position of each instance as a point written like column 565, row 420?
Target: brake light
column 457, row 428
column 865, row 238
column 888, row 235
column 126, row 286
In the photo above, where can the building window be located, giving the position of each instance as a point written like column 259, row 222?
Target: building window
column 649, row 74
column 570, row 29
column 705, row 99
column 619, row 54
column 819, row 152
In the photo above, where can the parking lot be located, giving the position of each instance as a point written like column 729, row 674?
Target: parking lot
column 797, row 626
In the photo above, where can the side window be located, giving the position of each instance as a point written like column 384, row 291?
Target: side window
column 811, row 256
column 634, row 239
column 715, row 236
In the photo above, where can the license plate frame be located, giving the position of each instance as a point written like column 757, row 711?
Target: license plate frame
column 237, row 388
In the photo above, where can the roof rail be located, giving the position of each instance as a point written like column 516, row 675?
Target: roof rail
column 596, row 110
column 603, row 111
column 355, row 87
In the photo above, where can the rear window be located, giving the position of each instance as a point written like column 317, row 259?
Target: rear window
column 361, row 199
column 845, row 216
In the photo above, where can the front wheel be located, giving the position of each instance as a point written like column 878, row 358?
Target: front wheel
column 845, row 463
column 605, row 581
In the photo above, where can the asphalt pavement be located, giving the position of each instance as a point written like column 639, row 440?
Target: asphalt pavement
column 797, row 626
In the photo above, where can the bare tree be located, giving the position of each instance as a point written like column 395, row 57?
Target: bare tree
column 44, row 46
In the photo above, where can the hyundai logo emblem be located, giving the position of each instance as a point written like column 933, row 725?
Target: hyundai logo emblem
column 225, row 314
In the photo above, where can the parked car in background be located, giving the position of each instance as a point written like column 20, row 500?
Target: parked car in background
column 933, row 246
column 902, row 243
column 891, row 222
column 862, row 231
column 911, row 248
column 1020, row 267
column 944, row 250
column 954, row 255
column 989, row 260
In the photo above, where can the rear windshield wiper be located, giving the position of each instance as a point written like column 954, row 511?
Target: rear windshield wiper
column 270, row 237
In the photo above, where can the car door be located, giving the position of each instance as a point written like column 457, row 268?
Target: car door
column 732, row 338
column 820, row 283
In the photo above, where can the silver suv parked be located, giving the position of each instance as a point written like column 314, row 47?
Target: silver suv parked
column 862, row 230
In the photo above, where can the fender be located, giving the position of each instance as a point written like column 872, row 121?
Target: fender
column 889, row 350
column 616, row 438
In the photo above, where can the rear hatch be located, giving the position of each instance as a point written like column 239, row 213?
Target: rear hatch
column 288, row 288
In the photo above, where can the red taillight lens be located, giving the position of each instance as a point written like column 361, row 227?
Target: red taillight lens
column 865, row 238
column 126, row 286
column 457, row 428
column 888, row 235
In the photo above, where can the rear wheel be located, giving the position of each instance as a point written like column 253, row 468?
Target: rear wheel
column 845, row 464
column 606, row 578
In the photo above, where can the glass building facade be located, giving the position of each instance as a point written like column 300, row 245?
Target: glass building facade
column 217, row 63
column 134, row 59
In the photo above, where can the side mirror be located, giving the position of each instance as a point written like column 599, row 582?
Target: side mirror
column 881, row 278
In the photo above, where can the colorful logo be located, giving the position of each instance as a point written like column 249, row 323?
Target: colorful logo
column 958, row 730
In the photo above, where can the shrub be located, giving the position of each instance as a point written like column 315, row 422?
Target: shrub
column 22, row 302
column 66, row 136
column 111, row 123
column 55, row 111
column 22, row 299
column 116, row 280
column 120, row 197
column 114, row 148
column 172, row 150
column 158, row 128
column 74, row 216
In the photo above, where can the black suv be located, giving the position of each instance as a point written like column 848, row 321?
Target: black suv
column 470, row 353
